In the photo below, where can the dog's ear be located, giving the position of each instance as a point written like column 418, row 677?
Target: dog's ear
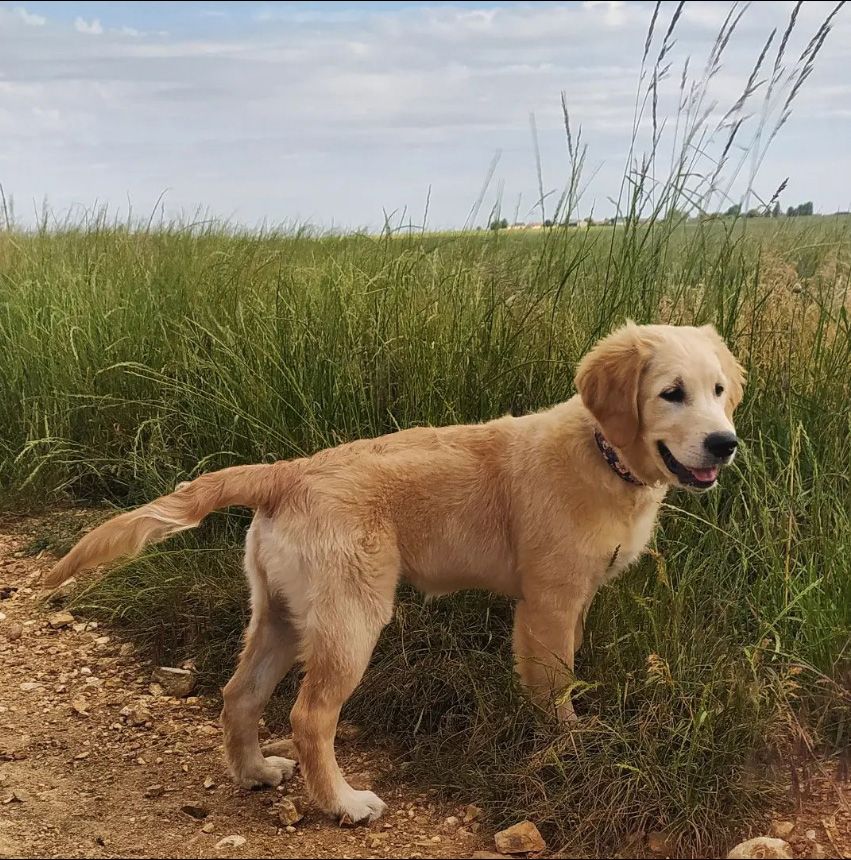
column 608, row 381
column 730, row 367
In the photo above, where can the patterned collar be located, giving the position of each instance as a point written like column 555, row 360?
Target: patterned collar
column 614, row 461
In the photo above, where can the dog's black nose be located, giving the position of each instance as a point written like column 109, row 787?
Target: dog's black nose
column 721, row 445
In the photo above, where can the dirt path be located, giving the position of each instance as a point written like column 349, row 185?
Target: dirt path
column 80, row 779
column 94, row 762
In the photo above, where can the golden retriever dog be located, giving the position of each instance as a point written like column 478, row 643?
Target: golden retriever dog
column 544, row 508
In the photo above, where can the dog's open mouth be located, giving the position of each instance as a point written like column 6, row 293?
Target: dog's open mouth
column 703, row 479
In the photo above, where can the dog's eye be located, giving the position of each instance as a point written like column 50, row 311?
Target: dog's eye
column 719, row 389
column 674, row 395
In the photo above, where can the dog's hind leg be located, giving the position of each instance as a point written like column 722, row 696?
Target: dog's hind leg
column 345, row 628
column 271, row 648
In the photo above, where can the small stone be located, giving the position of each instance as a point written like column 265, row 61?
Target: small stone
column 82, row 755
column 154, row 791
column 208, row 827
column 234, row 841
column 451, row 823
column 175, row 682
column 14, row 631
column 289, row 812
column 209, row 783
column 80, row 705
column 472, row 813
column 782, row 829
column 762, row 848
column 521, row 838
column 85, row 671
column 16, row 796
column 810, row 834
column 134, row 715
column 2, row 616
column 29, row 686
column 126, row 649
column 60, row 619
column 195, row 810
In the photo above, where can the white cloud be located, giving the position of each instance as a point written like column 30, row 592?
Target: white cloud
column 92, row 28
column 29, row 18
column 334, row 115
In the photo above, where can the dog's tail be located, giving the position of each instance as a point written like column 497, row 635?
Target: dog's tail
column 125, row 535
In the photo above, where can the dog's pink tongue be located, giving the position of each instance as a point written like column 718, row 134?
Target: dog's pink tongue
column 705, row 474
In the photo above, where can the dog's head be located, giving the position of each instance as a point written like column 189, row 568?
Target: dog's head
column 664, row 396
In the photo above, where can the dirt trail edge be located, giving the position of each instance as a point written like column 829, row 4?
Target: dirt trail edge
column 95, row 762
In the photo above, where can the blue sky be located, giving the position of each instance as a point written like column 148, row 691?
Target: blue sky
column 335, row 113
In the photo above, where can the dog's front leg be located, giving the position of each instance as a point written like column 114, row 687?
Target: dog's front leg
column 544, row 633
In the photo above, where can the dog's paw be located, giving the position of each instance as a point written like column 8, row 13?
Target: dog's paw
column 567, row 716
column 272, row 772
column 357, row 807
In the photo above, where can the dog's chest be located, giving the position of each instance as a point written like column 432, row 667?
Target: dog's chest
column 623, row 540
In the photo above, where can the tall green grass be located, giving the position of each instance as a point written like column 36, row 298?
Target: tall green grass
column 136, row 356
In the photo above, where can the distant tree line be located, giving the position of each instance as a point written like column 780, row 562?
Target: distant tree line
column 775, row 212
column 803, row 209
column 734, row 211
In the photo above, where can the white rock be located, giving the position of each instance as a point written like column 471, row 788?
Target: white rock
column 174, row 682
column 762, row 848
column 234, row 841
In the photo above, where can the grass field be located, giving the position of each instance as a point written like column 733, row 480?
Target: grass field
column 134, row 359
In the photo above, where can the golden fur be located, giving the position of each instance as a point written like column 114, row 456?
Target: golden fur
column 527, row 507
